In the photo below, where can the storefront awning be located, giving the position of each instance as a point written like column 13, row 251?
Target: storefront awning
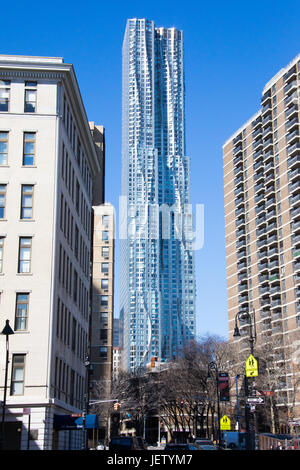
column 69, row 422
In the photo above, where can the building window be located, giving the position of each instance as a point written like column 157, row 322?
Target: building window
column 1, row 253
column 105, row 252
column 105, row 219
column 27, row 201
column 3, row 147
column 104, row 235
column 104, row 283
column 30, row 97
column 17, row 376
column 24, row 265
column 103, row 352
column 29, row 149
column 22, row 302
column 4, row 94
column 104, row 267
column 2, row 200
column 104, row 300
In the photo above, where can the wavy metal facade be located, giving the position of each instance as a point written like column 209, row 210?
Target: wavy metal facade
column 157, row 263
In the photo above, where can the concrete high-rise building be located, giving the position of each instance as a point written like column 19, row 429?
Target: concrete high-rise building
column 157, row 264
column 48, row 162
column 262, row 217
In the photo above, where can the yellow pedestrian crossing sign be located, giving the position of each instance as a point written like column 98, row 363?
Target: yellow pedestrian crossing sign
column 251, row 367
column 225, row 424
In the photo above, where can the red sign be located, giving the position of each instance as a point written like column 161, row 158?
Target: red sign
column 268, row 393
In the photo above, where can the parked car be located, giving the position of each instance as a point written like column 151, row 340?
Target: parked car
column 205, row 444
column 181, row 447
column 120, row 443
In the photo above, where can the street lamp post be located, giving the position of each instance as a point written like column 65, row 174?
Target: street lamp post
column 252, row 339
column 213, row 366
column 7, row 330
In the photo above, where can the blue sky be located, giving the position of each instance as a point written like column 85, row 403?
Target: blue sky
column 232, row 49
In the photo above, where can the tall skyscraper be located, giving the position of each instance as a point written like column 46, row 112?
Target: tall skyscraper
column 157, row 265
column 262, row 216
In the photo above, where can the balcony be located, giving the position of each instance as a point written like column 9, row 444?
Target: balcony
column 259, row 197
column 296, row 254
column 263, row 278
column 237, row 139
column 240, row 222
column 273, row 251
column 241, row 254
column 256, row 133
column 261, row 231
column 292, row 72
column 266, row 108
column 270, row 202
column 295, row 226
column 237, row 149
column 259, row 176
column 264, row 302
column 257, row 143
column 239, row 200
column 260, row 220
column 265, row 313
column 294, row 161
column 275, row 290
column 243, row 287
column 262, row 254
column 263, row 290
column 291, row 111
column 266, row 97
column 240, row 232
column 242, row 277
column 296, row 239
column 268, row 143
column 266, row 119
column 238, row 180
column 290, row 98
column 241, row 243
column 295, row 212
column 271, row 226
column 294, row 200
column 273, row 264
column 274, row 278
column 292, row 149
column 262, row 266
column 256, row 123
column 270, row 215
column 275, row 303
column 292, row 136
column 270, row 177
column 268, row 130
column 272, row 239
column 239, row 170
column 291, row 123
column 260, row 209
column 238, row 160
column 258, row 187
column 269, row 166
column 270, row 189
column 292, row 86
column 239, row 190
column 241, row 265
column 257, row 154
column 259, row 164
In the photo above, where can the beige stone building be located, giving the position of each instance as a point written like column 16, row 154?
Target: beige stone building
column 103, row 297
column 261, row 163
column 48, row 163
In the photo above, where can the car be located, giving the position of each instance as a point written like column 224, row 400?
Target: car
column 120, row 443
column 180, row 447
column 205, row 444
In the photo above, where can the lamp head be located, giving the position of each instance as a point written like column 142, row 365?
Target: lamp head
column 7, row 330
column 236, row 332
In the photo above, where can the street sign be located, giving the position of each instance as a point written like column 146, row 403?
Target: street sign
column 26, row 411
column 225, row 424
column 251, row 367
column 256, row 400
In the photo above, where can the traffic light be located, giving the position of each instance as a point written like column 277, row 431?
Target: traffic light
column 116, row 406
